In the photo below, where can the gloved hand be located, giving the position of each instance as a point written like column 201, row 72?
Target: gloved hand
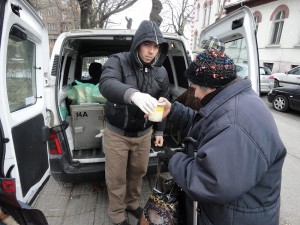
column 144, row 101
column 166, row 155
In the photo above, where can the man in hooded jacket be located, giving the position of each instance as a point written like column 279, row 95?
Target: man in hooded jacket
column 132, row 82
column 234, row 154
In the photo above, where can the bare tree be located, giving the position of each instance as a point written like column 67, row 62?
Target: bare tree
column 95, row 13
column 176, row 14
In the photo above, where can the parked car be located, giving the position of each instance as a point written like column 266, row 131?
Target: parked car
column 285, row 98
column 266, row 79
column 290, row 77
column 44, row 126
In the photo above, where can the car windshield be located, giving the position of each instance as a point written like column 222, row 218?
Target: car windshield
column 265, row 71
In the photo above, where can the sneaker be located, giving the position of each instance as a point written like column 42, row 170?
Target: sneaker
column 125, row 222
column 137, row 212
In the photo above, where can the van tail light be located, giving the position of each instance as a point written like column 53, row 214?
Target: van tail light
column 271, row 77
column 54, row 143
column 9, row 185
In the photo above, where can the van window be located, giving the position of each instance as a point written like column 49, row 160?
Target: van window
column 20, row 73
column 86, row 62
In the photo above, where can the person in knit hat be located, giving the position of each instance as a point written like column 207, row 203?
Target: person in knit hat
column 187, row 98
column 233, row 154
column 211, row 68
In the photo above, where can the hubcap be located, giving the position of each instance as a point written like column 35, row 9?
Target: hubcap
column 279, row 103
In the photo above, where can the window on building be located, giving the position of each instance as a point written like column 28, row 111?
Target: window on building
column 198, row 12
column 21, row 74
column 64, row 16
column 206, row 14
column 277, row 28
column 65, row 27
column 269, row 65
column 51, row 12
column 51, row 26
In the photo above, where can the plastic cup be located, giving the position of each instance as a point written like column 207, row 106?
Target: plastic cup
column 157, row 114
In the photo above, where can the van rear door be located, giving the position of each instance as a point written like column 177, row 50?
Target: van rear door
column 24, row 58
column 238, row 31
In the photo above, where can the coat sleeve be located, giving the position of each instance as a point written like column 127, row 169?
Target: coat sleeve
column 225, row 167
column 181, row 117
column 160, row 127
column 111, row 82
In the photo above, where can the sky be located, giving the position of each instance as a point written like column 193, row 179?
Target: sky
column 138, row 12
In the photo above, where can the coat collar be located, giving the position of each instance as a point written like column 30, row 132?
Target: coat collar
column 224, row 95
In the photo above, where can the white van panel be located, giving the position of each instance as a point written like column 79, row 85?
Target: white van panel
column 28, row 120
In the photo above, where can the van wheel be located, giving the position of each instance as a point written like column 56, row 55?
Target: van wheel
column 276, row 83
column 280, row 103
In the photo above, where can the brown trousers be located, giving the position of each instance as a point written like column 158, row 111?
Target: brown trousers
column 126, row 162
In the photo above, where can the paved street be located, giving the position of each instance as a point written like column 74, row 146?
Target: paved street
column 81, row 204
column 86, row 204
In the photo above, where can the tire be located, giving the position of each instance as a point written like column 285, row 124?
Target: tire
column 280, row 103
column 276, row 83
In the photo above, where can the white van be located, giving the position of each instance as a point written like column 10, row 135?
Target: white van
column 51, row 114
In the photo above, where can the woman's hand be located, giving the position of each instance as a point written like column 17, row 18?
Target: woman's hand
column 167, row 106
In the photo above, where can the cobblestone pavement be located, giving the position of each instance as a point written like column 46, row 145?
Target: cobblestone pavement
column 81, row 204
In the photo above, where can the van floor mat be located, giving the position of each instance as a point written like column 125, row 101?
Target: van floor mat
column 88, row 153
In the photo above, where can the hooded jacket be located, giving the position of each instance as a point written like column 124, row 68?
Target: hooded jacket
column 124, row 73
column 236, row 173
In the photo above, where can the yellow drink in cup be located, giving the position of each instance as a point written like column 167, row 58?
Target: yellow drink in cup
column 157, row 115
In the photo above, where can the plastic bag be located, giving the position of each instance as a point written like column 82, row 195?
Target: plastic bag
column 85, row 93
column 97, row 96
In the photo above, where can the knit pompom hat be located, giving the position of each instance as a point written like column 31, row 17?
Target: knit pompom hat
column 211, row 68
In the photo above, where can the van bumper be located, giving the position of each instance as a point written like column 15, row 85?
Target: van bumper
column 63, row 171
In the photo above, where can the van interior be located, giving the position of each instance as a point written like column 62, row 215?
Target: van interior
column 81, row 105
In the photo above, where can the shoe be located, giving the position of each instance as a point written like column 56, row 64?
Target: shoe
column 125, row 222
column 137, row 212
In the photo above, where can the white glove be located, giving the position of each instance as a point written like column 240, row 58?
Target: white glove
column 144, row 101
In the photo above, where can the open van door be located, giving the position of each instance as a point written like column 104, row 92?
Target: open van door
column 24, row 58
column 238, row 31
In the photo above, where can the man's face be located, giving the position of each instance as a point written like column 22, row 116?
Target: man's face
column 147, row 51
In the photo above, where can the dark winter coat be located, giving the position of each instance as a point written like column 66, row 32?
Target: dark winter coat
column 236, row 174
column 124, row 73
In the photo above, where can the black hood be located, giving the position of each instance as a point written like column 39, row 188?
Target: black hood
column 149, row 31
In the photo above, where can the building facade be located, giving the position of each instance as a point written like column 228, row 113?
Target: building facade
column 278, row 28
column 58, row 15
